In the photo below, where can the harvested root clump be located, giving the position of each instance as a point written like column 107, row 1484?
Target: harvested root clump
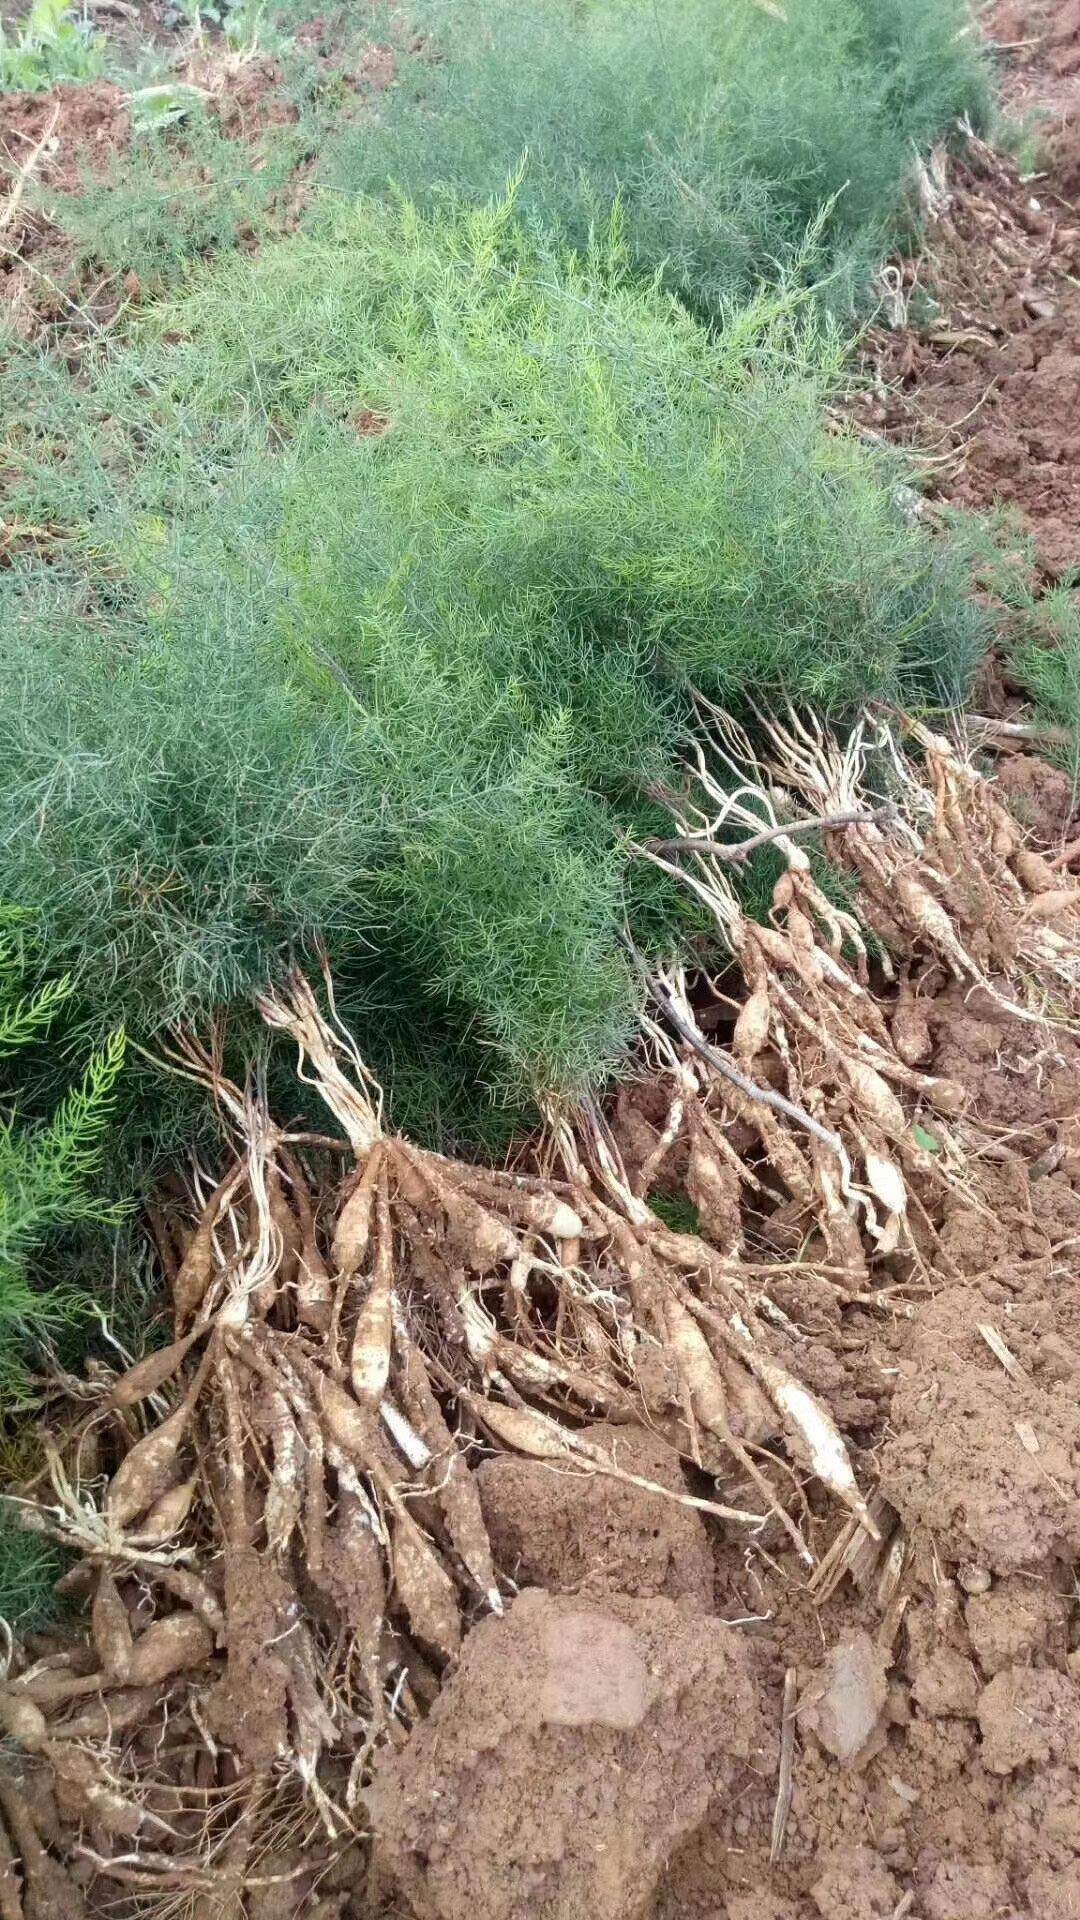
column 276, row 1515
column 278, row 1520
column 949, row 877
column 830, row 1077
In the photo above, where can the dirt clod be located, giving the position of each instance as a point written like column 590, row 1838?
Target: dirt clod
column 855, row 1884
column 1028, row 1714
column 960, row 1891
column 1040, row 795
column 958, row 1466
column 573, row 1533
column 844, row 1701
column 1015, row 1622
column 569, row 1754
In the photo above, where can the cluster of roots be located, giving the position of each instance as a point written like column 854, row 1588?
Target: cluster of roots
column 276, row 1516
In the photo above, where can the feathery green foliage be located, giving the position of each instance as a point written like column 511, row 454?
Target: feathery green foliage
column 29, row 1568
column 722, row 129
column 1049, row 666
column 725, row 132
column 47, row 1169
column 397, row 551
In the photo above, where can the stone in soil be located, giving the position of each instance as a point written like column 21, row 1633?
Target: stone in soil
column 844, row 1700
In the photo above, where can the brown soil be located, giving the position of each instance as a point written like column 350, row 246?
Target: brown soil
column 989, row 382
column 46, row 140
column 574, row 1533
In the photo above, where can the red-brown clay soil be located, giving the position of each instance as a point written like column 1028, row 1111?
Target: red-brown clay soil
column 49, row 140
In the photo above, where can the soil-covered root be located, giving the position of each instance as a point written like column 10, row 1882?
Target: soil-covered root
column 278, row 1518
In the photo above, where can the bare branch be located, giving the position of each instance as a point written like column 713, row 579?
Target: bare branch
column 724, row 1065
column 737, row 851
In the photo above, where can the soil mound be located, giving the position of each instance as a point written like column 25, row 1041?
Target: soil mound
column 981, row 368
column 571, row 1751
column 571, row 1533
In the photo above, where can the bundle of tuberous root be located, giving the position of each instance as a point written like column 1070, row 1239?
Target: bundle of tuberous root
column 276, row 1514
column 940, row 885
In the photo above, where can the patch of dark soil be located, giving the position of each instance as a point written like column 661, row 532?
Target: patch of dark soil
column 57, row 134
column 1041, row 39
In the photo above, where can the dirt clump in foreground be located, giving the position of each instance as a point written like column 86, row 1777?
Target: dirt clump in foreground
column 1038, row 794
column 573, row 1748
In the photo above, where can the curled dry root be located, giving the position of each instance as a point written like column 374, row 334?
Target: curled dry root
column 276, row 1515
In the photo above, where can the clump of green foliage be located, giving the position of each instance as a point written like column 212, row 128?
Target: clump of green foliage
column 29, row 1569
column 724, row 130
column 396, row 553
column 1047, row 661
column 47, row 1167
column 52, row 44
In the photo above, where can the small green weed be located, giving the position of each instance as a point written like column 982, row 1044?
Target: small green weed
column 676, row 1211
column 165, row 103
column 52, row 44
